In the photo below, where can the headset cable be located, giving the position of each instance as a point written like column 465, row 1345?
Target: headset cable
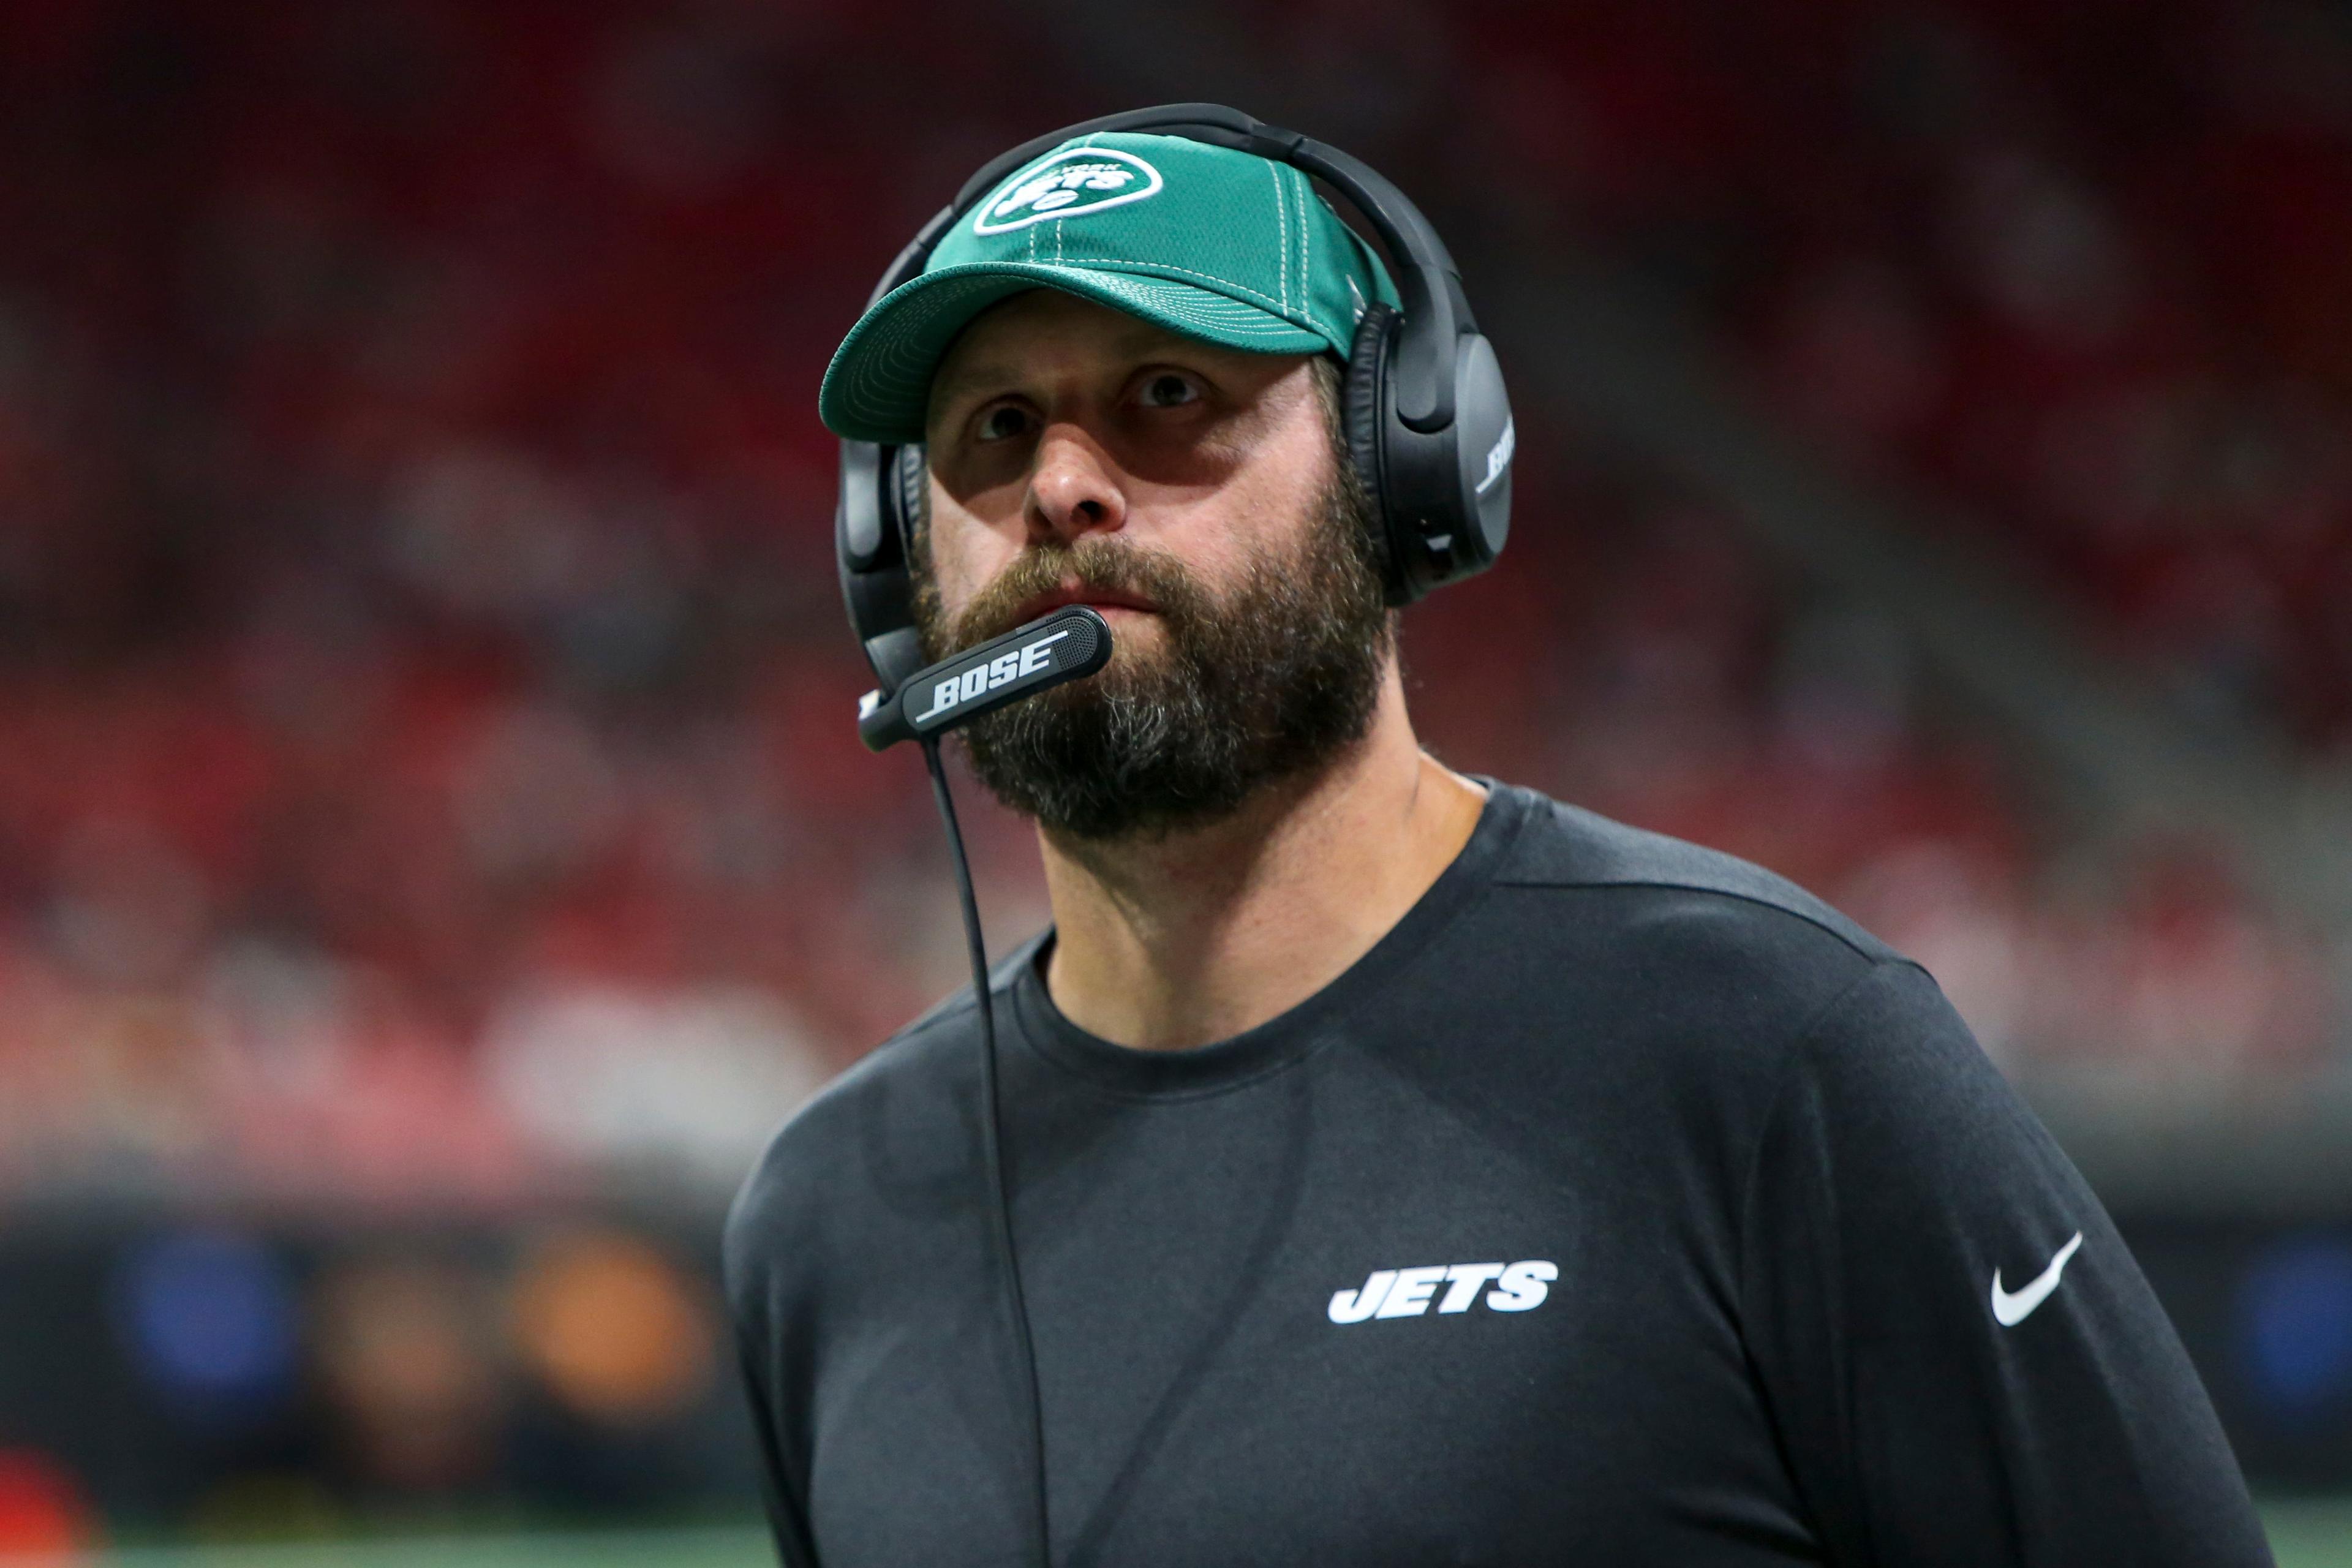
column 992, row 1138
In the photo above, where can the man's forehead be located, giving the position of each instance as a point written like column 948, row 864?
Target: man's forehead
column 1011, row 341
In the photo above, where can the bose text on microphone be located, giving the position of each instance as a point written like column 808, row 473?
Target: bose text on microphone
column 1062, row 645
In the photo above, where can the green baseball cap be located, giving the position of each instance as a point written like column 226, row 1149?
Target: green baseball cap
column 1211, row 243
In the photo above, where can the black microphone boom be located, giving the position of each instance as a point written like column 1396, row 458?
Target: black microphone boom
column 1060, row 646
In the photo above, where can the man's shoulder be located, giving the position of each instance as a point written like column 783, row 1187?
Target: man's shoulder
column 1653, row 960
column 1673, row 884
column 1701, row 943
column 899, row 1117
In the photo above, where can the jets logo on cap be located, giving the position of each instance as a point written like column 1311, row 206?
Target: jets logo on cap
column 1078, row 180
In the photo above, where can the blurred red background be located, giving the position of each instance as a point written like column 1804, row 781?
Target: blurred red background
column 428, row 789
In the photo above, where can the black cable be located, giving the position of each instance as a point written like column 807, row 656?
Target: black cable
column 992, row 1137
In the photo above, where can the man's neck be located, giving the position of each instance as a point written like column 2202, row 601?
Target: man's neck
column 1183, row 940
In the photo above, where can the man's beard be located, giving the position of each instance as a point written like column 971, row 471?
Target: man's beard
column 1265, row 681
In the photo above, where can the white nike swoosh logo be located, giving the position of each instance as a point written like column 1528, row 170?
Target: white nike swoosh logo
column 2012, row 1310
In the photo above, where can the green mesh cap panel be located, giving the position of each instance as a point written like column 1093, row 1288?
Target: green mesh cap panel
column 1210, row 244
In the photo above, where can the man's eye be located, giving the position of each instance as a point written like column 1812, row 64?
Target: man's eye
column 1169, row 392
column 1002, row 423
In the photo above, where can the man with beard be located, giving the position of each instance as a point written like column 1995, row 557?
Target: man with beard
column 1404, row 1168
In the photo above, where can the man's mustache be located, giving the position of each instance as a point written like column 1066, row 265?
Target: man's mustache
column 1096, row 566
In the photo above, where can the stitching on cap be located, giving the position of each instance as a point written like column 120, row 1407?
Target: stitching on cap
column 1283, row 175
column 1306, row 241
column 1147, row 268
column 1282, row 229
column 1209, row 315
column 1061, row 234
column 1298, row 193
column 1282, row 250
column 1282, row 306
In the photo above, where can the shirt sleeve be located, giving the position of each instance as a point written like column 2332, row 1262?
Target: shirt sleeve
column 759, row 1354
column 1956, row 1379
column 785, row 1522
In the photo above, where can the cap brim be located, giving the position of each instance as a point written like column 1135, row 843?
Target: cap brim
column 880, row 382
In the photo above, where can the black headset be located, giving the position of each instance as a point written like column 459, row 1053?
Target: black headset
column 1428, row 422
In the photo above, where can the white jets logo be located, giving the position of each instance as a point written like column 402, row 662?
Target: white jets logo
column 2009, row 1309
column 1083, row 179
column 1407, row 1292
column 958, row 689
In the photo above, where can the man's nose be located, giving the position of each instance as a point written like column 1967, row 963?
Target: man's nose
column 1073, row 490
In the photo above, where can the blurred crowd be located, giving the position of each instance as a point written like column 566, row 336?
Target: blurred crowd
column 2076, row 273
column 426, row 765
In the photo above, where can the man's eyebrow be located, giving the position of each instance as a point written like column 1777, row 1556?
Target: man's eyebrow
column 952, row 382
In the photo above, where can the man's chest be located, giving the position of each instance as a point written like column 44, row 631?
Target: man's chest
column 1330, row 1323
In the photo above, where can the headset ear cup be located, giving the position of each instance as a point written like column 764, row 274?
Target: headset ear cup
column 1485, row 442
column 914, row 479
column 870, row 550
column 1366, row 419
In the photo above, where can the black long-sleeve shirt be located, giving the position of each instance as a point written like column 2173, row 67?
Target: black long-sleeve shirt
column 1624, row 1205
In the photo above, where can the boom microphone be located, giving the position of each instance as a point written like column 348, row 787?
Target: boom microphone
column 1062, row 644
column 1059, row 646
